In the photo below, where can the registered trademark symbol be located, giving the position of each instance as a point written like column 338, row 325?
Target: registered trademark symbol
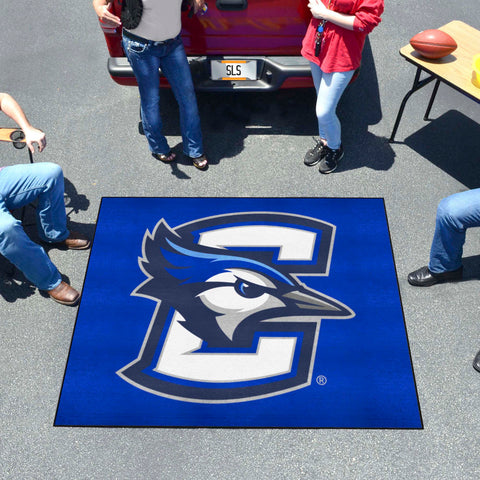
column 321, row 380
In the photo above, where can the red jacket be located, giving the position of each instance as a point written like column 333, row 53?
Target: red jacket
column 341, row 48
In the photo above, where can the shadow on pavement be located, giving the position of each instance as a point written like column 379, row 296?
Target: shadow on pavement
column 228, row 118
column 471, row 268
column 451, row 142
column 359, row 108
column 13, row 285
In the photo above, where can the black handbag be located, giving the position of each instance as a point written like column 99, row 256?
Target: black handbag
column 131, row 13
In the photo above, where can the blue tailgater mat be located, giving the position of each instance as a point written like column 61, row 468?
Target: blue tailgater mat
column 240, row 312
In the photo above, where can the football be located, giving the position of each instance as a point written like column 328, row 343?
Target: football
column 433, row 43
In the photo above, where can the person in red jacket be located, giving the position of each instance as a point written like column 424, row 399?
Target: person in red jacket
column 333, row 44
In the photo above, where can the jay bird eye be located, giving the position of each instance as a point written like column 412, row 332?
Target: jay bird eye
column 248, row 290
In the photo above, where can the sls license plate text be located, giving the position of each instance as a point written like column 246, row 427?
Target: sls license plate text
column 234, row 69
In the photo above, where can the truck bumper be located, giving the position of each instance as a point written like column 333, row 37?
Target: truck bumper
column 273, row 73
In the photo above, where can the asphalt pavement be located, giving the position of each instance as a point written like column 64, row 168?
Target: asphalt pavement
column 53, row 61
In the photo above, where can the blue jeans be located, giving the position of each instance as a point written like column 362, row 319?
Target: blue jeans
column 19, row 186
column 146, row 58
column 455, row 214
column 329, row 87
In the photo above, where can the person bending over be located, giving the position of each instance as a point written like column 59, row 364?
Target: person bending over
column 21, row 185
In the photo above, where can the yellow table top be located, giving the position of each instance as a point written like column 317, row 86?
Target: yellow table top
column 455, row 68
column 5, row 134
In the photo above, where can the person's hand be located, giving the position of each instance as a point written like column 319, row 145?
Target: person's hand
column 104, row 14
column 34, row 136
column 198, row 5
column 318, row 9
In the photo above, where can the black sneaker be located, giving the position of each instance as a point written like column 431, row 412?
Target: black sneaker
column 330, row 160
column 315, row 154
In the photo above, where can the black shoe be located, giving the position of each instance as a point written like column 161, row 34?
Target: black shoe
column 476, row 362
column 423, row 277
column 330, row 160
column 315, row 154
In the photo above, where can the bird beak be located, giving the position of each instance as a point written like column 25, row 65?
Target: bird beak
column 308, row 301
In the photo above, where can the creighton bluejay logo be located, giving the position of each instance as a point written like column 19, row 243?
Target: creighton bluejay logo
column 233, row 320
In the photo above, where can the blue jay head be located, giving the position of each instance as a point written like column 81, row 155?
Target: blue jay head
column 222, row 295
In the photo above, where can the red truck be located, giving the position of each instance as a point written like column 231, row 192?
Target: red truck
column 249, row 45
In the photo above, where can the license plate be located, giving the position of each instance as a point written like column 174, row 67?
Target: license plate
column 234, row 69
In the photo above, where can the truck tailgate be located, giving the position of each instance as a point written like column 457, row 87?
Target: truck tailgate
column 247, row 27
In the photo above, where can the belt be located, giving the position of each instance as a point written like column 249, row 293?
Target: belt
column 137, row 38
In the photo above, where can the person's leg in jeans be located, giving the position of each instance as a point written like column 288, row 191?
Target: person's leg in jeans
column 455, row 214
column 19, row 186
column 176, row 69
column 329, row 87
column 145, row 62
column 22, row 184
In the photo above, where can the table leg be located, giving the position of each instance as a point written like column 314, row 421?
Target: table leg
column 432, row 99
column 30, row 156
column 417, row 85
column 11, row 271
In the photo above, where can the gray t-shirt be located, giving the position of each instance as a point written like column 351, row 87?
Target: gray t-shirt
column 161, row 20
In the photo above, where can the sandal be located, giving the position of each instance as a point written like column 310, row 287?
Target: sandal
column 200, row 162
column 165, row 157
